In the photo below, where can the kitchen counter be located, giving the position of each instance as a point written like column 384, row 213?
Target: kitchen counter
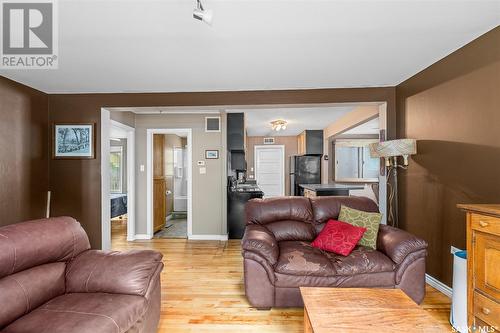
column 313, row 190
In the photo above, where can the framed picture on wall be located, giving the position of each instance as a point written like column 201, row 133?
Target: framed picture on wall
column 211, row 154
column 73, row 141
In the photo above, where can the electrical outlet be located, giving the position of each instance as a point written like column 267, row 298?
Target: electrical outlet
column 454, row 249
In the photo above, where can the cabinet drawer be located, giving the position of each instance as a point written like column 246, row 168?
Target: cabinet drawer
column 488, row 224
column 486, row 309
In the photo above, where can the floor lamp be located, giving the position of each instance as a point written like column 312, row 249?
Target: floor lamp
column 390, row 151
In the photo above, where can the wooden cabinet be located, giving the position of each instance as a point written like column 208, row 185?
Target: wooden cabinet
column 310, row 142
column 483, row 265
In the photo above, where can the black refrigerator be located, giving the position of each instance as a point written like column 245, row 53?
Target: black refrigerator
column 304, row 169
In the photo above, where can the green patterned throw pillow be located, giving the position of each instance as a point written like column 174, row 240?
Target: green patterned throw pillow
column 359, row 218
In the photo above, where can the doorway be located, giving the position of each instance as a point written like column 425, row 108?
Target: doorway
column 270, row 170
column 118, row 180
column 169, row 170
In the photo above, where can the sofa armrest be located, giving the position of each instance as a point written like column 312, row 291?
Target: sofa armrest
column 397, row 243
column 261, row 241
column 129, row 272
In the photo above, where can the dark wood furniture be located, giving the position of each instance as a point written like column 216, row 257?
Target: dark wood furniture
column 344, row 310
column 483, row 265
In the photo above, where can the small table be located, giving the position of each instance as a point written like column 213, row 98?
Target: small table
column 340, row 310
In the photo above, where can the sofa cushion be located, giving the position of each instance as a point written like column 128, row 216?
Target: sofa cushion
column 328, row 207
column 131, row 271
column 292, row 231
column 302, row 259
column 359, row 218
column 263, row 211
column 82, row 313
column 38, row 242
column 338, row 237
column 26, row 290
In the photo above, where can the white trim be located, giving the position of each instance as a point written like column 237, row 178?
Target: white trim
column 149, row 175
column 212, row 131
column 282, row 147
column 433, row 282
column 382, row 179
column 208, row 237
column 118, row 149
column 131, row 183
column 141, row 237
column 106, row 124
column 105, row 182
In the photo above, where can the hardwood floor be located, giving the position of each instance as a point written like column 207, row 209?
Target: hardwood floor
column 202, row 289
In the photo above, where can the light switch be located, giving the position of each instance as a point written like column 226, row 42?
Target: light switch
column 142, row 168
column 251, row 169
column 203, row 171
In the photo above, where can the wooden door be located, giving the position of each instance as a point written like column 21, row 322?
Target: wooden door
column 159, row 205
column 159, row 183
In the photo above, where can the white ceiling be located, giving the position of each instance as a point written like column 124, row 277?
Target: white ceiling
column 370, row 127
column 258, row 121
column 156, row 46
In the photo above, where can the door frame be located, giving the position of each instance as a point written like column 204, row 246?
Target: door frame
column 106, row 124
column 262, row 147
column 149, row 175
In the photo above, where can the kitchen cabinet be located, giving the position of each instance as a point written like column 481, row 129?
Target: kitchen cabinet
column 310, row 142
column 236, row 138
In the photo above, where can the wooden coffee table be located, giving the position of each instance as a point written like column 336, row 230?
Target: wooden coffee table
column 364, row 310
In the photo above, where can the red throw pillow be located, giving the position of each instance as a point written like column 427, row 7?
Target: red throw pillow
column 338, row 237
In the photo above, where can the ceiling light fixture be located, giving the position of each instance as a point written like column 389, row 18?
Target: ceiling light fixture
column 278, row 125
column 201, row 14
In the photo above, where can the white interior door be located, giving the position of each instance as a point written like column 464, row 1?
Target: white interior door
column 270, row 170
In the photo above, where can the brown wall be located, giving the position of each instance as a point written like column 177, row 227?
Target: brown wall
column 290, row 143
column 453, row 109
column 24, row 162
column 76, row 184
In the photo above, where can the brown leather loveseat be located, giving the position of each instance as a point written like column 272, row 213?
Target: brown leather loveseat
column 51, row 282
column 278, row 257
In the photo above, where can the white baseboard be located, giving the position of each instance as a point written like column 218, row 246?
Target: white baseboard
column 142, row 236
column 433, row 282
column 208, row 237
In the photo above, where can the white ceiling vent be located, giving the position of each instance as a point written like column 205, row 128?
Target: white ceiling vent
column 269, row 141
column 212, row 124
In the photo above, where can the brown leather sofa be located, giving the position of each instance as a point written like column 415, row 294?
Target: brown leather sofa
column 278, row 257
column 51, row 282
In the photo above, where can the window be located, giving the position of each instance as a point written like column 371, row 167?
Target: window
column 116, row 166
column 353, row 162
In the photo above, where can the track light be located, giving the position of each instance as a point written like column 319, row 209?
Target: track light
column 201, row 14
column 278, row 125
